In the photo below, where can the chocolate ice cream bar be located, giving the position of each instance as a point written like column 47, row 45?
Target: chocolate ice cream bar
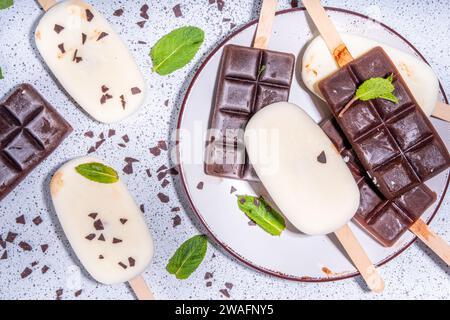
column 386, row 220
column 249, row 79
column 395, row 142
column 30, row 130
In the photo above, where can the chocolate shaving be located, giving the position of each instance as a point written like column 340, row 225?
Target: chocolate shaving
column 103, row 99
column 141, row 42
column 44, row 269
column 135, row 90
column 61, row 48
column 166, row 103
column 101, row 257
column 75, row 58
column 58, row 28
column 131, row 262
column 163, row 198
column 142, row 208
column 209, row 284
column 123, row 265
column 90, row 236
column 99, row 143
column 102, row 35
column 98, row 225
column 155, row 151
column 89, row 134
column 118, row 12
column 59, row 294
column 11, row 236
column 144, row 15
column 83, row 38
column 91, row 149
column 115, row 240
column 130, row 160
column 161, row 168
column 176, row 221
column 101, row 237
column 4, row 255
column 44, row 247
column 200, row 185
column 149, row 173
column 101, row 136
column 122, row 145
column 294, row 3
column 78, row 293
column 34, row 263
column 37, row 221
column 26, row 272
column 173, row 171
column 229, row 285
column 162, row 145
column 224, row 292
column 123, row 220
column 177, row 11
column 93, row 215
column 175, row 209
column 24, row 246
column 165, row 183
column 208, row 275
column 125, row 138
column 251, row 223
column 128, row 169
column 104, row 88
column 20, row 220
column 161, row 175
column 232, row 25
column 141, row 24
column 220, row 4
column 111, row 132
column 122, row 101
column 89, row 15
column 322, row 158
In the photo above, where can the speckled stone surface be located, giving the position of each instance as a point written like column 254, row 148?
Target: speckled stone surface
column 415, row 274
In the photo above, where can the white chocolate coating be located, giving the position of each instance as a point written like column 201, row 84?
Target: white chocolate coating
column 318, row 63
column 104, row 62
column 283, row 145
column 75, row 197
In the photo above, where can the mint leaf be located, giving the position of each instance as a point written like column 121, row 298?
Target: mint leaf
column 375, row 88
column 176, row 49
column 1, row 74
column 257, row 209
column 98, row 172
column 6, row 4
column 261, row 70
column 188, row 257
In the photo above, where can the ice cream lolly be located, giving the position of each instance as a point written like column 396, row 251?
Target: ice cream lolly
column 249, row 79
column 318, row 63
column 301, row 169
column 30, row 130
column 386, row 220
column 395, row 142
column 90, row 61
column 103, row 224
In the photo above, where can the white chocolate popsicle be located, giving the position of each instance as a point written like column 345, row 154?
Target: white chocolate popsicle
column 103, row 224
column 318, row 63
column 301, row 169
column 90, row 61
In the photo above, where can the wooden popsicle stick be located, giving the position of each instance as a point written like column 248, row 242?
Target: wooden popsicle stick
column 46, row 4
column 442, row 111
column 141, row 289
column 265, row 23
column 360, row 259
column 432, row 240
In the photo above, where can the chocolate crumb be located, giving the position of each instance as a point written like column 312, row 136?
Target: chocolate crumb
column 122, row 145
column 135, row 90
column 101, row 257
column 20, row 219
column 131, row 262
column 229, row 285
column 102, row 35
column 26, row 272
column 118, row 12
column 34, row 263
column 61, row 48
column 208, row 275
column 115, row 240
column 224, row 292
column 176, row 221
column 162, row 145
column 89, row 15
column 123, row 265
column 144, row 15
column 93, row 215
column 322, row 158
column 78, row 293
column 90, row 236
column 177, row 11
column 99, row 143
column 232, row 25
column 232, row 189
column 58, row 28
column 44, row 269
column 142, row 208
column 37, row 221
column 101, row 237
column 91, row 149
column 141, row 42
column 98, row 225
column 111, row 132
column 161, row 168
column 89, row 134
column 122, row 101
column 128, row 169
column 220, row 4
column 123, row 220
column 24, row 246
column 141, row 24
column 155, row 151
column 149, row 173
column 11, row 236
column 59, row 294
column 166, row 103
column 104, row 88
column 125, row 138
column 209, row 284
column 83, row 38
column 101, row 136
column 161, row 175
column 175, row 209
column 200, row 185
column 44, row 247
column 165, row 183
column 163, row 198
column 4, row 255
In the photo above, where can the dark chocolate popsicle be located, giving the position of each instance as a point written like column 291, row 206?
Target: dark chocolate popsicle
column 385, row 220
column 30, row 130
column 249, row 79
column 395, row 142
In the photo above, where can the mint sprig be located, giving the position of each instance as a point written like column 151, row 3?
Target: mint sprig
column 373, row 88
column 258, row 210
column 97, row 172
column 6, row 4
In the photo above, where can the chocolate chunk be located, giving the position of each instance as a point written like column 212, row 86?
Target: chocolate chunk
column 165, row 183
column 141, row 24
column 131, row 262
column 78, row 293
column 322, row 158
column 118, row 12
column 122, row 101
column 125, row 138
column 4, row 255
column 103, row 99
column 161, row 168
column 90, row 236
column 111, row 132
column 104, row 88
column 130, row 160
column 225, row 292
column 228, row 285
column 144, row 8
column 173, row 171
column 135, row 90
column 162, row 145
column 161, row 175
column 93, row 215
column 99, row 143
column 166, row 103
column 123, row 220
column 37, row 221
column 44, row 247
column 101, row 136
column 10, row 237
column 58, row 28
column 123, row 265
column 83, row 38
column 163, row 198
column 89, row 15
column 44, row 269
column 209, row 284
column 200, row 185
column 101, row 257
column 208, row 275
column 232, row 25
column 24, row 246
column 34, row 263
column 232, row 189
column 98, row 225
column 142, row 208
column 91, row 149
column 20, row 219
column 61, row 48
column 102, row 35
column 175, row 209
column 144, row 15
column 176, row 221
column 115, row 240
column 177, row 11
column 128, row 169
column 101, row 237
column 26, row 272
column 220, row 4
column 122, row 145
column 149, row 173
column 89, row 134
column 155, row 151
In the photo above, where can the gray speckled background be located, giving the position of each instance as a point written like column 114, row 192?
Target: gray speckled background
column 414, row 274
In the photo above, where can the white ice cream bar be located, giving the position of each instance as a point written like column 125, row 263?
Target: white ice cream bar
column 318, row 63
column 103, row 224
column 301, row 169
column 90, row 61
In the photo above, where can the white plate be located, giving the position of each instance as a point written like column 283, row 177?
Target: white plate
column 292, row 255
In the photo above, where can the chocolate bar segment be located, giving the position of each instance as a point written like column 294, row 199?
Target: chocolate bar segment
column 386, row 220
column 30, row 130
column 249, row 79
column 395, row 142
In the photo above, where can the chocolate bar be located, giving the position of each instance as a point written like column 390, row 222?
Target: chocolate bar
column 30, row 130
column 395, row 142
column 249, row 79
column 386, row 220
